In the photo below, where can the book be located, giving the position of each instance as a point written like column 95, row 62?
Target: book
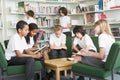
column 21, row 7
column 40, row 49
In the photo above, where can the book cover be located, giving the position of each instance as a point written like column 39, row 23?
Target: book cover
column 21, row 7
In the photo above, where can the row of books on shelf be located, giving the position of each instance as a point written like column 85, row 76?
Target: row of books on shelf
column 64, row 0
column 43, row 21
column 48, row 9
column 80, row 8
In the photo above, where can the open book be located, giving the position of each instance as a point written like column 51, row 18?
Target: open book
column 40, row 49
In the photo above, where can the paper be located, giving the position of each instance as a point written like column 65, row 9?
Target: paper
column 39, row 49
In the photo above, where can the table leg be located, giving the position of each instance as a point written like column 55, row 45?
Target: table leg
column 57, row 74
column 65, row 72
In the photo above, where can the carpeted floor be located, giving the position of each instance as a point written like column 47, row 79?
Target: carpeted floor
column 117, row 77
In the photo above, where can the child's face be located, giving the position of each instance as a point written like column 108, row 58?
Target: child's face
column 78, row 35
column 61, row 13
column 58, row 33
column 33, row 32
column 24, row 31
column 97, row 30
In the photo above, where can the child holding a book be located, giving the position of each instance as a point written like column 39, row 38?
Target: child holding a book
column 64, row 21
column 17, row 48
column 105, row 40
column 57, row 43
column 31, row 40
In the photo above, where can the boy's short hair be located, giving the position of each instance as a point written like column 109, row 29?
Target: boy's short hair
column 20, row 24
column 57, row 28
column 79, row 29
column 64, row 10
column 30, row 13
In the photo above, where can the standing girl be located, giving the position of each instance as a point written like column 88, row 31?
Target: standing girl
column 64, row 21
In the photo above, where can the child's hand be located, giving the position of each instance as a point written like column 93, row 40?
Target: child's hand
column 38, row 55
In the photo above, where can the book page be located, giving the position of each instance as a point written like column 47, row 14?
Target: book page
column 39, row 49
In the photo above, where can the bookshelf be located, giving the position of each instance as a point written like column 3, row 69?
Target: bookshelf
column 1, row 22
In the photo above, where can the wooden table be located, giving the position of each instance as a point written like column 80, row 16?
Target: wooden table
column 60, row 64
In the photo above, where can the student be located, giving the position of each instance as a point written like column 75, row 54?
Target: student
column 105, row 40
column 30, row 17
column 31, row 40
column 57, row 43
column 64, row 21
column 82, row 40
column 16, row 52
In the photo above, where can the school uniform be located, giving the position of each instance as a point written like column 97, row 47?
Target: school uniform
column 104, row 41
column 31, row 44
column 18, row 43
column 30, row 20
column 86, row 40
column 64, row 20
column 57, row 42
column 43, row 70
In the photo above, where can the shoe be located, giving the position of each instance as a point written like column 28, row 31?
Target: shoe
column 81, row 78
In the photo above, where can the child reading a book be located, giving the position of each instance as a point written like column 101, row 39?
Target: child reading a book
column 16, row 52
column 105, row 40
column 57, row 43
column 31, row 40
column 64, row 21
column 30, row 17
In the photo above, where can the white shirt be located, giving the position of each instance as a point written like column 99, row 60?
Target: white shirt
column 86, row 40
column 15, row 43
column 30, row 20
column 31, row 42
column 106, row 42
column 57, row 41
column 64, row 20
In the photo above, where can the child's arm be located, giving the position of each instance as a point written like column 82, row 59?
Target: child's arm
column 19, row 54
column 75, row 48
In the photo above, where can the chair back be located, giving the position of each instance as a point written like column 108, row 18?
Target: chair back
column 6, row 43
column 69, row 45
column 113, row 60
column 95, row 41
column 3, row 61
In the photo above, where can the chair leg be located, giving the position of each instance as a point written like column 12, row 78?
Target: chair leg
column 0, row 74
column 112, row 76
column 40, row 75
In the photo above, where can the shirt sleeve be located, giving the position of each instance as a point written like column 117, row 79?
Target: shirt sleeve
column 75, row 42
column 88, row 40
column 51, row 39
column 68, row 20
column 101, row 41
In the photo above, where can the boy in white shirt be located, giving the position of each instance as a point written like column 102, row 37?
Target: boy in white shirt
column 17, row 52
column 57, row 43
